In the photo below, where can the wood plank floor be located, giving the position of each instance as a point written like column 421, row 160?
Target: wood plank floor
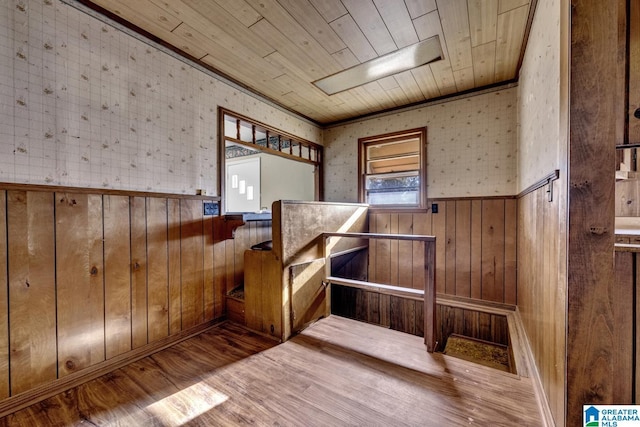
column 337, row 372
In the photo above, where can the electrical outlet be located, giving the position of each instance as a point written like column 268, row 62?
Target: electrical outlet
column 211, row 208
column 434, row 208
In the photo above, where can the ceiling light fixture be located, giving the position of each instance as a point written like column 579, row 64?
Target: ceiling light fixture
column 413, row 56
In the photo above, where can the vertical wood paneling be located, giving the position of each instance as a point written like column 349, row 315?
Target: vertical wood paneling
column 637, row 337
column 4, row 309
column 439, row 231
column 219, row 268
column 192, row 262
column 80, row 281
column 117, row 275
column 622, row 352
column 541, row 300
column 422, row 226
column 139, row 301
column 634, row 71
column 463, row 248
column 87, row 277
column 241, row 242
column 175, row 274
column 476, row 249
column 382, row 250
column 394, row 262
column 385, row 310
column 475, row 245
column 594, row 35
column 405, row 256
column 32, row 299
column 450, row 247
column 157, row 268
column 510, row 256
column 230, row 265
column 493, row 250
column 209, row 275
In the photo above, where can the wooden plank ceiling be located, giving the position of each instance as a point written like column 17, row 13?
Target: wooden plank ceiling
column 277, row 48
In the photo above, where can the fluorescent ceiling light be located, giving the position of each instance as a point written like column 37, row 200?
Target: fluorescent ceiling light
column 413, row 56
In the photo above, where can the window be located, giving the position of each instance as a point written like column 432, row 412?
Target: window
column 260, row 164
column 392, row 169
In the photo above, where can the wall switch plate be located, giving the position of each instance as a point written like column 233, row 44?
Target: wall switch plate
column 434, row 208
column 211, row 208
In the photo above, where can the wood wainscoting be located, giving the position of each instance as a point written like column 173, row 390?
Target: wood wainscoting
column 90, row 277
column 624, row 341
column 541, row 289
column 475, row 248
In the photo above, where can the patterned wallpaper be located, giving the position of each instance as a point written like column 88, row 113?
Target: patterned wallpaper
column 471, row 146
column 540, row 148
column 84, row 104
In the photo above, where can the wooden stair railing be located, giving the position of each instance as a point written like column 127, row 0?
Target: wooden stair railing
column 428, row 295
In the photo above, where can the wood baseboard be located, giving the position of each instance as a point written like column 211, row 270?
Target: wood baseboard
column 541, row 397
column 35, row 395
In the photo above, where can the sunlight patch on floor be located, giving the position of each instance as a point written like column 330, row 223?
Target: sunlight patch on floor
column 187, row 404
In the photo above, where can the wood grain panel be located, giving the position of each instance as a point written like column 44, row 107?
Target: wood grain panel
column 213, row 20
column 484, row 56
column 622, row 352
column 219, row 268
column 175, row 261
column 32, row 298
column 382, row 248
column 394, row 262
column 4, row 299
column 406, row 258
column 79, row 281
column 117, row 275
column 311, row 20
column 541, row 301
column 397, row 19
column 421, row 225
column 450, row 247
column 483, row 15
column 209, row 273
column 590, row 275
column 510, row 32
column 476, row 249
column 241, row 242
column 439, row 231
column 230, row 266
column 476, row 240
column 357, row 43
column 139, row 269
column 463, row 248
column 157, row 268
column 493, row 250
column 366, row 16
column 510, row 244
column 454, row 16
column 634, row 71
column 192, row 264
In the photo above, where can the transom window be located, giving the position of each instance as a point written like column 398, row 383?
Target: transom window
column 392, row 169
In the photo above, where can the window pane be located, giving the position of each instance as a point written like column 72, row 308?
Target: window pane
column 392, row 189
column 393, row 198
column 394, row 156
column 393, row 149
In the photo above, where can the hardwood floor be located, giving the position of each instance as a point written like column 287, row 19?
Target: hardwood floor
column 336, row 372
